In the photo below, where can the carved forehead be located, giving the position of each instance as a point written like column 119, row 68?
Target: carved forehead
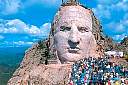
column 73, row 14
column 68, row 10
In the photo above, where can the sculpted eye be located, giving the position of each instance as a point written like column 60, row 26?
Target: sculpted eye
column 63, row 28
column 83, row 29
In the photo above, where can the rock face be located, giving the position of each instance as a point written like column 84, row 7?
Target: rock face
column 34, row 58
column 33, row 71
column 99, row 36
column 124, row 43
column 31, row 59
column 73, row 24
column 122, row 46
column 53, row 74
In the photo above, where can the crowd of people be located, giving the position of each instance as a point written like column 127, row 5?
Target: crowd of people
column 92, row 71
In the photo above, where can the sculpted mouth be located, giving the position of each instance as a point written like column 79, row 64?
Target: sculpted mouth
column 73, row 49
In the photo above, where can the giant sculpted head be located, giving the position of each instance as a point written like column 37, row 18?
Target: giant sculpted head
column 72, row 34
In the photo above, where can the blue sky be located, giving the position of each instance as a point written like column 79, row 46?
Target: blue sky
column 23, row 22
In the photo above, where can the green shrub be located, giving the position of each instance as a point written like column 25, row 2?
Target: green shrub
column 126, row 57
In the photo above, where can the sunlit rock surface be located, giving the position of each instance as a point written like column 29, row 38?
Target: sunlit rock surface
column 53, row 74
column 33, row 71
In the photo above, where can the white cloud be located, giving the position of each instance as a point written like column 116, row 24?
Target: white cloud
column 51, row 2
column 16, row 43
column 1, row 37
column 114, row 14
column 34, row 30
column 119, row 37
column 18, row 26
column 16, row 23
column 102, row 12
column 46, row 3
column 119, row 27
column 45, row 28
column 9, row 6
column 21, row 33
column 115, row 27
column 122, row 5
column 107, row 2
column 22, row 43
column 105, row 8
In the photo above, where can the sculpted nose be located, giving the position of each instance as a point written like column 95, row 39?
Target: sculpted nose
column 74, row 35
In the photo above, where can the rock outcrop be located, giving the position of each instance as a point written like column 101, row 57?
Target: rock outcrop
column 34, row 57
column 122, row 46
column 53, row 74
column 33, row 71
column 125, row 41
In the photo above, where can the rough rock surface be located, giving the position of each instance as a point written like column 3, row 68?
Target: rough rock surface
column 32, row 70
column 123, row 46
column 34, row 57
column 53, row 74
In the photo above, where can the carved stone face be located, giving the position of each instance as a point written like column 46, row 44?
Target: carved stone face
column 73, row 38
